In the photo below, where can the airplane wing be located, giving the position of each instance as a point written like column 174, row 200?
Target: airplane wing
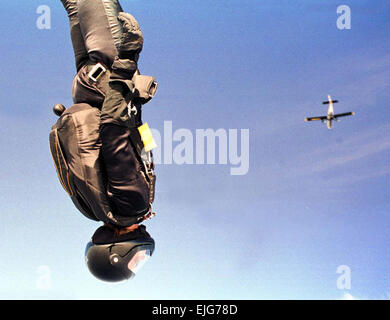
column 344, row 114
column 315, row 118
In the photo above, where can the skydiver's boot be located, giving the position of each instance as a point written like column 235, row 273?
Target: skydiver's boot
column 70, row 6
column 80, row 52
column 100, row 28
column 101, row 32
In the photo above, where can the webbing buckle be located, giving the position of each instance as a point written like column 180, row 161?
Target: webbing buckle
column 97, row 71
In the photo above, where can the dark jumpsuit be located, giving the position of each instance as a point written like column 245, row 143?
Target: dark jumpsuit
column 96, row 34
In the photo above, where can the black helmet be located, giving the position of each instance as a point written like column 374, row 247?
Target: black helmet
column 118, row 261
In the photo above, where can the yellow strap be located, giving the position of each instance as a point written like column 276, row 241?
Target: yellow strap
column 147, row 137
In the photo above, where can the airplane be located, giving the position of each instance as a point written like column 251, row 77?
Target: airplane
column 331, row 116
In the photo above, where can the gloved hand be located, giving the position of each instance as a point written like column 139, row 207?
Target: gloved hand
column 132, row 39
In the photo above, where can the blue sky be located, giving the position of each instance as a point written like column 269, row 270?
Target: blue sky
column 313, row 199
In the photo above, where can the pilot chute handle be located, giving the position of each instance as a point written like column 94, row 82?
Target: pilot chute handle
column 59, row 109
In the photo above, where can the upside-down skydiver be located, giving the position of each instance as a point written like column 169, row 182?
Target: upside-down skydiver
column 99, row 145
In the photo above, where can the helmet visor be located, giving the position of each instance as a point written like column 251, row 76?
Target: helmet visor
column 138, row 260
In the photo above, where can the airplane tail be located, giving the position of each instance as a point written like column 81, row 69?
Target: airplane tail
column 330, row 101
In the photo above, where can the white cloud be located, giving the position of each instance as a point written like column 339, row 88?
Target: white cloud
column 348, row 296
column 352, row 149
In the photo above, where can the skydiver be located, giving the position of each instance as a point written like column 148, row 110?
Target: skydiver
column 97, row 144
